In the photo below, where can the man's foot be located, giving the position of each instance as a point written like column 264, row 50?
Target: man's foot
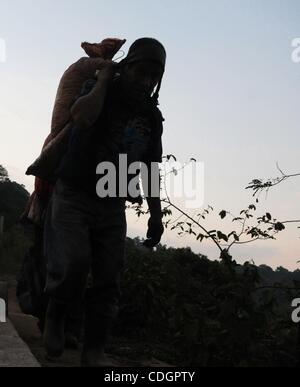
column 54, row 333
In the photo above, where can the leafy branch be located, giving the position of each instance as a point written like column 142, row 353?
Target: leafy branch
column 259, row 185
column 249, row 228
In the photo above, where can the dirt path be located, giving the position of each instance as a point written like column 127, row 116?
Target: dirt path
column 26, row 327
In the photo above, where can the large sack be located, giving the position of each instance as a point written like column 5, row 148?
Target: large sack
column 74, row 77
column 55, row 145
column 54, row 149
column 107, row 49
column 69, row 88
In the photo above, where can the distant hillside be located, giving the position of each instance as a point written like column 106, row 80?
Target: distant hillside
column 13, row 242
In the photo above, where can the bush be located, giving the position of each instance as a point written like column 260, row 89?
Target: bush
column 13, row 247
column 205, row 313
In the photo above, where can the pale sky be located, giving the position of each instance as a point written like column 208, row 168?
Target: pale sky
column 230, row 95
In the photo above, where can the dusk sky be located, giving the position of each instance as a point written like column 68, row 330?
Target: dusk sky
column 230, row 95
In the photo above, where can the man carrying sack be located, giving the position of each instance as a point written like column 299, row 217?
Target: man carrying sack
column 115, row 114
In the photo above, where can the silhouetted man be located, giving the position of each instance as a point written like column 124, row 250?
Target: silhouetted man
column 116, row 114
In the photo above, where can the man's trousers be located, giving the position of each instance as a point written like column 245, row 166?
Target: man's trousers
column 85, row 235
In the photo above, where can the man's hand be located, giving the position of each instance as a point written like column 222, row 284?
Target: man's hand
column 155, row 232
column 106, row 70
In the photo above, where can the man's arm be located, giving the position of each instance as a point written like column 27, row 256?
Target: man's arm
column 86, row 110
column 155, row 224
column 154, row 184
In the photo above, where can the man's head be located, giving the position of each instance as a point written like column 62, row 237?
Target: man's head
column 143, row 68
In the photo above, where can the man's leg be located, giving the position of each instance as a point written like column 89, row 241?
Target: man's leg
column 68, row 254
column 102, row 301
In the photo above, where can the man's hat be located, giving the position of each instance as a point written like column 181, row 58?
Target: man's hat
column 148, row 49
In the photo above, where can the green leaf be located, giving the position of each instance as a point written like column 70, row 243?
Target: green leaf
column 222, row 236
column 223, row 214
column 200, row 237
column 279, row 226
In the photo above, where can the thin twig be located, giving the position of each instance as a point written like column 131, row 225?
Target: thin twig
column 198, row 224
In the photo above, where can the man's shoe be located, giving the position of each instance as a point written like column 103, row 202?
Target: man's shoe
column 54, row 333
column 97, row 329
